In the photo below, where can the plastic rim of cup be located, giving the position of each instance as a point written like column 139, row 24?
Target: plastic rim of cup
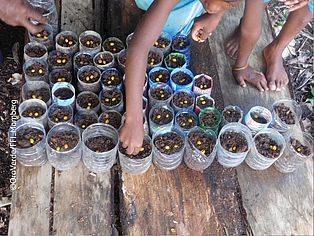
column 185, row 111
column 33, row 101
column 35, row 44
column 89, row 33
column 107, row 65
column 186, row 71
column 119, row 86
column 115, row 39
column 189, row 92
column 216, row 112
column 72, row 49
column 59, row 101
column 253, row 125
column 199, row 91
column 233, row 107
column 56, row 106
column 156, row 69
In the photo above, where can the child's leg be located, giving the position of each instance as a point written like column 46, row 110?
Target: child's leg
column 276, row 74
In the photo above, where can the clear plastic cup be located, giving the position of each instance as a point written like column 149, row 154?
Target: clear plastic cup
column 204, row 125
column 185, row 129
column 278, row 123
column 193, row 157
column 87, row 95
column 136, row 166
column 162, row 160
column 119, row 107
column 113, row 40
column 84, row 86
column 89, row 117
column 40, row 74
column 64, row 63
column 72, row 45
column 230, row 159
column 257, row 161
column 53, row 109
column 42, row 119
column 291, row 159
column 128, row 39
column 59, row 75
column 64, row 160
column 177, row 87
column 202, row 99
column 47, row 41
column 202, row 90
column 234, row 108
column 151, row 64
column 101, row 63
column 180, row 107
column 35, row 45
column 154, row 71
column 90, row 50
column 261, row 112
column 77, row 63
column 177, row 56
column 60, row 101
column 108, row 83
column 153, row 101
column 153, row 126
column 165, row 48
column 115, row 122
column 121, row 58
column 34, row 155
column 184, row 50
column 37, row 90
column 99, row 162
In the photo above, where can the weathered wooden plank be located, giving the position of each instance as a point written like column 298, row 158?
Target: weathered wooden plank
column 182, row 202
column 30, row 207
column 82, row 202
column 276, row 204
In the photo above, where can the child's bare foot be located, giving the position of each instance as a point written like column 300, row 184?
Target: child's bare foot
column 250, row 76
column 232, row 45
column 204, row 26
column 275, row 73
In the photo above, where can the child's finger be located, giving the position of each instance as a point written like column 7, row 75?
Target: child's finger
column 37, row 16
column 136, row 151
column 31, row 27
column 130, row 150
column 125, row 144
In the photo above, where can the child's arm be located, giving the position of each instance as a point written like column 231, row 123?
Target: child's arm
column 146, row 33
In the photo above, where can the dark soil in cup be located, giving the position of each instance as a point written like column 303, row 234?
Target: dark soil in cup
column 267, row 146
column 169, row 143
column 203, row 83
column 113, row 46
column 181, row 78
column 104, row 59
column 285, row 114
column 145, row 151
column 182, row 99
column 89, row 76
column 111, row 118
column 67, row 41
column 64, row 93
column 83, row 60
column 44, row 34
column 111, row 97
column 87, row 100
column 186, row 121
column 85, row 120
column 35, row 52
column 28, row 137
column 160, row 94
column 234, row 142
column 42, row 94
column 175, row 61
column 162, row 76
column 204, row 102
column 209, row 119
column 61, row 75
column 100, row 144
column 299, row 147
column 161, row 116
column 58, row 59
column 202, row 142
column 180, row 43
column 111, row 78
column 90, row 41
column 258, row 118
column 34, row 112
column 36, row 70
column 232, row 115
column 60, row 114
column 63, row 141
column 162, row 42
column 153, row 58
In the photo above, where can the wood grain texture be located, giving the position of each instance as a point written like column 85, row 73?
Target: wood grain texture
column 30, row 207
column 276, row 204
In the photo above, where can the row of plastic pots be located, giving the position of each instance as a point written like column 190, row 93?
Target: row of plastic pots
column 98, row 146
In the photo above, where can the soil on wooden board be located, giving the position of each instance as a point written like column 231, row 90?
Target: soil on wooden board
column 112, row 118
column 63, row 141
column 203, row 142
column 169, row 143
column 145, row 151
column 100, row 144
column 234, row 142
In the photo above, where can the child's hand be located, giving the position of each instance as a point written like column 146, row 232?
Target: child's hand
column 132, row 135
column 295, row 4
column 18, row 13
